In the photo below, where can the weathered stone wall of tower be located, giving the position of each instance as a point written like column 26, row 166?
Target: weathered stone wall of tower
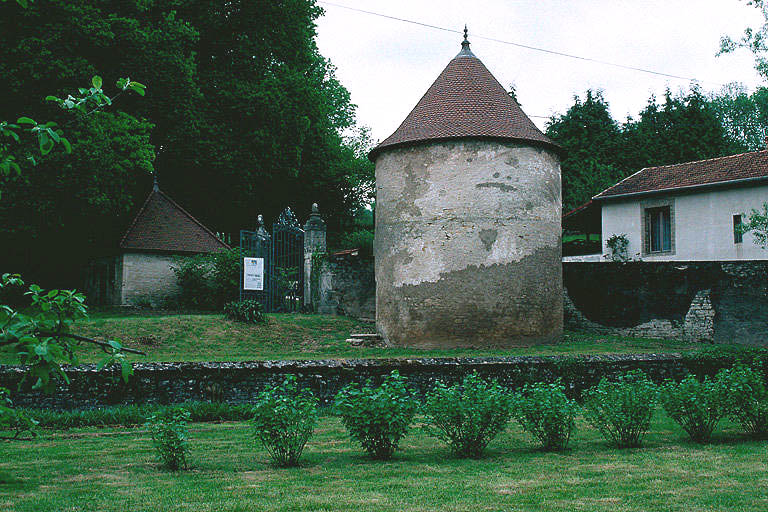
column 468, row 244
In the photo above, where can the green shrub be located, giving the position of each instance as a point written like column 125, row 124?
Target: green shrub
column 284, row 420
column 467, row 415
column 547, row 414
column 169, row 436
column 746, row 398
column 377, row 417
column 622, row 409
column 249, row 311
column 12, row 419
column 695, row 405
column 208, row 281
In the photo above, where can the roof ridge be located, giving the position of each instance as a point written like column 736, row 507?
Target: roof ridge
column 702, row 160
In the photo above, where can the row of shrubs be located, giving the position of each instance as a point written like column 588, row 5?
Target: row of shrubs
column 470, row 414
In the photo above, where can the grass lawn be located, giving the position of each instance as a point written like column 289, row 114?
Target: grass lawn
column 116, row 470
column 211, row 337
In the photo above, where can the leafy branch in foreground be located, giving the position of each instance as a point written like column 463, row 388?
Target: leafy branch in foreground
column 40, row 333
column 48, row 134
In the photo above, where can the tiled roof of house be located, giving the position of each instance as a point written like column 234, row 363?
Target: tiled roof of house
column 163, row 225
column 465, row 101
column 722, row 170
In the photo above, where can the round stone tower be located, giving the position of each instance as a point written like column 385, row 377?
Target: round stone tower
column 468, row 210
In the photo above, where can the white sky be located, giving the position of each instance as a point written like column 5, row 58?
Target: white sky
column 387, row 65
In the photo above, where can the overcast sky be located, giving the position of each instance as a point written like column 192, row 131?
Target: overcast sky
column 387, row 65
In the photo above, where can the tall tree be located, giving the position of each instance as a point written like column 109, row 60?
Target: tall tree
column 681, row 128
column 590, row 138
column 247, row 116
column 744, row 116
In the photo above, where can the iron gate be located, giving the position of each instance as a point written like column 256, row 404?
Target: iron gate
column 283, row 254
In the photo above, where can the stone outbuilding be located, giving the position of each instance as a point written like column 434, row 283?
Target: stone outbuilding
column 141, row 274
column 468, row 219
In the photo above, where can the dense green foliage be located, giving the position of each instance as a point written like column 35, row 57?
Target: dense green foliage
column 283, row 421
column 545, row 412
column 622, row 408
column 208, row 281
column 600, row 152
column 468, row 415
column 697, row 406
column 170, row 436
column 377, row 416
column 249, row 311
column 242, row 112
column 746, row 398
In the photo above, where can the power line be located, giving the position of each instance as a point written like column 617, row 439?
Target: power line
column 520, row 45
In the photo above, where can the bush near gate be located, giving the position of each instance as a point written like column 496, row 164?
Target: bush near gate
column 467, row 415
column 543, row 410
column 284, row 420
column 248, row 311
column 622, row 409
column 377, row 417
column 697, row 406
column 208, row 281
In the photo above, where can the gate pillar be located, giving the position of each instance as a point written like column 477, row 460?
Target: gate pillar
column 314, row 242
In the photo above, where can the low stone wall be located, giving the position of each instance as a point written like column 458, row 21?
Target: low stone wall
column 724, row 302
column 347, row 286
column 241, row 381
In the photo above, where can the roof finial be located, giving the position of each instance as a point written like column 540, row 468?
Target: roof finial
column 465, row 51
column 155, row 186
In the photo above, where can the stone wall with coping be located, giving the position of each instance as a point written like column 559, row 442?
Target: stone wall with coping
column 240, row 382
column 724, row 302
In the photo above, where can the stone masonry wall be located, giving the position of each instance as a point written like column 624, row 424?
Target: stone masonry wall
column 148, row 279
column 240, row 381
column 347, row 286
column 698, row 301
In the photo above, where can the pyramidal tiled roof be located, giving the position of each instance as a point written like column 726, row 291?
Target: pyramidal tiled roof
column 465, row 101
column 163, row 225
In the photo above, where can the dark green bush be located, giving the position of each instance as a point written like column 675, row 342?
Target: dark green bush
column 284, row 420
column 208, row 281
column 249, row 311
column 746, row 398
column 170, row 437
column 621, row 409
column 467, row 415
column 377, row 416
column 697, row 406
column 547, row 414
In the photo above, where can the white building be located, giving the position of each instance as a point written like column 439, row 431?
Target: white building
column 689, row 211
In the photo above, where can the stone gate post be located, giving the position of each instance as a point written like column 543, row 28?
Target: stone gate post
column 314, row 242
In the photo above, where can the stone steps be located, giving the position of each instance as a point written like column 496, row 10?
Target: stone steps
column 365, row 340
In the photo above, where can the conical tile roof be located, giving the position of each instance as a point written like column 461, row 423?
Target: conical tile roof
column 466, row 101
